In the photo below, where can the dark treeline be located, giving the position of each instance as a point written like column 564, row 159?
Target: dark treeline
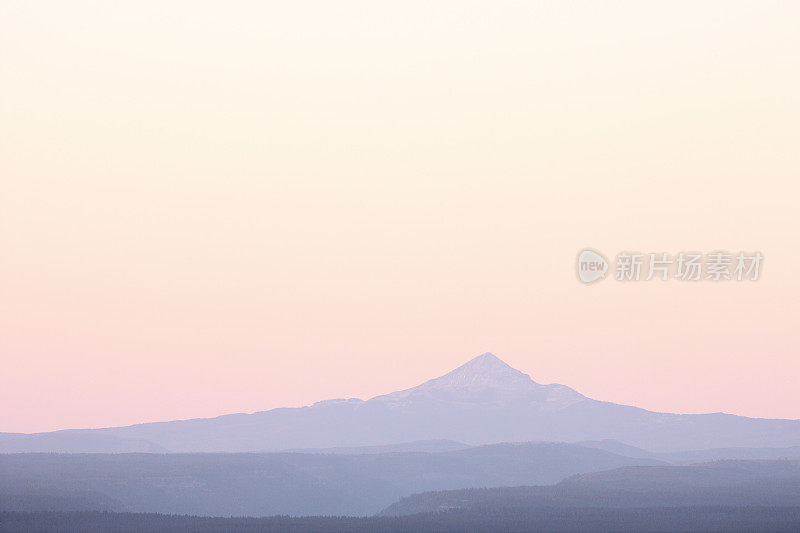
column 474, row 520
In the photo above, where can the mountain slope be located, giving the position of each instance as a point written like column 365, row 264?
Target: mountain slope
column 483, row 401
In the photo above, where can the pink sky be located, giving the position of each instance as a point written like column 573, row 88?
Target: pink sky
column 211, row 209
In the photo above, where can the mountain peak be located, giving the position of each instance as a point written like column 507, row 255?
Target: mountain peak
column 484, row 371
column 485, row 379
column 486, row 360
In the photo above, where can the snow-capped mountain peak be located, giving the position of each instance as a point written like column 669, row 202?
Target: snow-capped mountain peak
column 484, row 380
column 485, row 371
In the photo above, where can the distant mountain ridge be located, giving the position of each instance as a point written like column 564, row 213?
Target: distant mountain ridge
column 400, row 483
column 419, row 446
column 261, row 484
column 483, row 401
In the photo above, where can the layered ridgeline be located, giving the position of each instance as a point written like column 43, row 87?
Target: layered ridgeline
column 336, row 484
column 262, row 484
column 482, row 401
column 721, row 483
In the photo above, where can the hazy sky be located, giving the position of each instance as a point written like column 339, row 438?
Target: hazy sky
column 233, row 206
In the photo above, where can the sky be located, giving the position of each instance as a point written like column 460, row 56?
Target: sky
column 217, row 207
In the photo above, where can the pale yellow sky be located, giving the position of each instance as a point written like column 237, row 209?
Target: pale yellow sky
column 213, row 207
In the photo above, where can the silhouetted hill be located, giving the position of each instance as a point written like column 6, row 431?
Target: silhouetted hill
column 726, row 483
column 282, row 483
column 695, row 456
